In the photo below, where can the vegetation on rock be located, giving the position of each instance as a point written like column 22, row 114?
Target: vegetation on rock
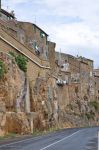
column 90, row 115
column 95, row 104
column 12, row 54
column 20, row 60
column 2, row 69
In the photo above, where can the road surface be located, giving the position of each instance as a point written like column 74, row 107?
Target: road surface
column 67, row 139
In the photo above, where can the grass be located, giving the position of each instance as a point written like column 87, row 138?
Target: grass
column 50, row 130
column 35, row 133
column 8, row 136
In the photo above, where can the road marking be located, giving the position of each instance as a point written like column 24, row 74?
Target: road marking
column 20, row 141
column 60, row 140
column 35, row 138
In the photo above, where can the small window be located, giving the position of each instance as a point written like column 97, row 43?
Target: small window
column 42, row 34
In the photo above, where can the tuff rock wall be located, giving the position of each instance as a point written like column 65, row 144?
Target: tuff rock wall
column 12, row 98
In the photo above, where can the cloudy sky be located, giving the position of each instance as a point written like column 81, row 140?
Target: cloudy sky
column 72, row 24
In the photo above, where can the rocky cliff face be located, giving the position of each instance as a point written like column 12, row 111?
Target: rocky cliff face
column 22, row 111
column 44, row 101
column 12, row 98
column 11, row 83
column 15, row 113
column 82, row 112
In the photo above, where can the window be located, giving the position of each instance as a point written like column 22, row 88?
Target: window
column 42, row 35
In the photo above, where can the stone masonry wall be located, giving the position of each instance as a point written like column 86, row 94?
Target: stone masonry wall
column 33, row 34
column 33, row 69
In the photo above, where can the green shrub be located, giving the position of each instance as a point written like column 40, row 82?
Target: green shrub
column 21, row 62
column 2, row 69
column 95, row 104
column 12, row 54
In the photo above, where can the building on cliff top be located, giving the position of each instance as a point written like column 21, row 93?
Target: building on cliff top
column 35, row 38
column 78, row 73
column 5, row 15
column 29, row 34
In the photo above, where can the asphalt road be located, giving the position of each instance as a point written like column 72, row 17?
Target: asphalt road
column 67, row 139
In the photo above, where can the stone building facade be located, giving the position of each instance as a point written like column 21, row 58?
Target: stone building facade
column 96, row 81
column 87, row 78
column 26, row 33
column 35, row 38
column 78, row 73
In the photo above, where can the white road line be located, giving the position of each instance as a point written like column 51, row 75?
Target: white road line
column 20, row 141
column 33, row 138
column 37, row 138
column 60, row 140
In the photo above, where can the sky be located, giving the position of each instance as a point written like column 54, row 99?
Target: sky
column 72, row 24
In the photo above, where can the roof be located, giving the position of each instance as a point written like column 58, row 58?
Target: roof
column 35, row 26
column 40, row 29
column 83, row 62
column 80, row 57
column 7, row 13
column 66, row 55
column 96, row 69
